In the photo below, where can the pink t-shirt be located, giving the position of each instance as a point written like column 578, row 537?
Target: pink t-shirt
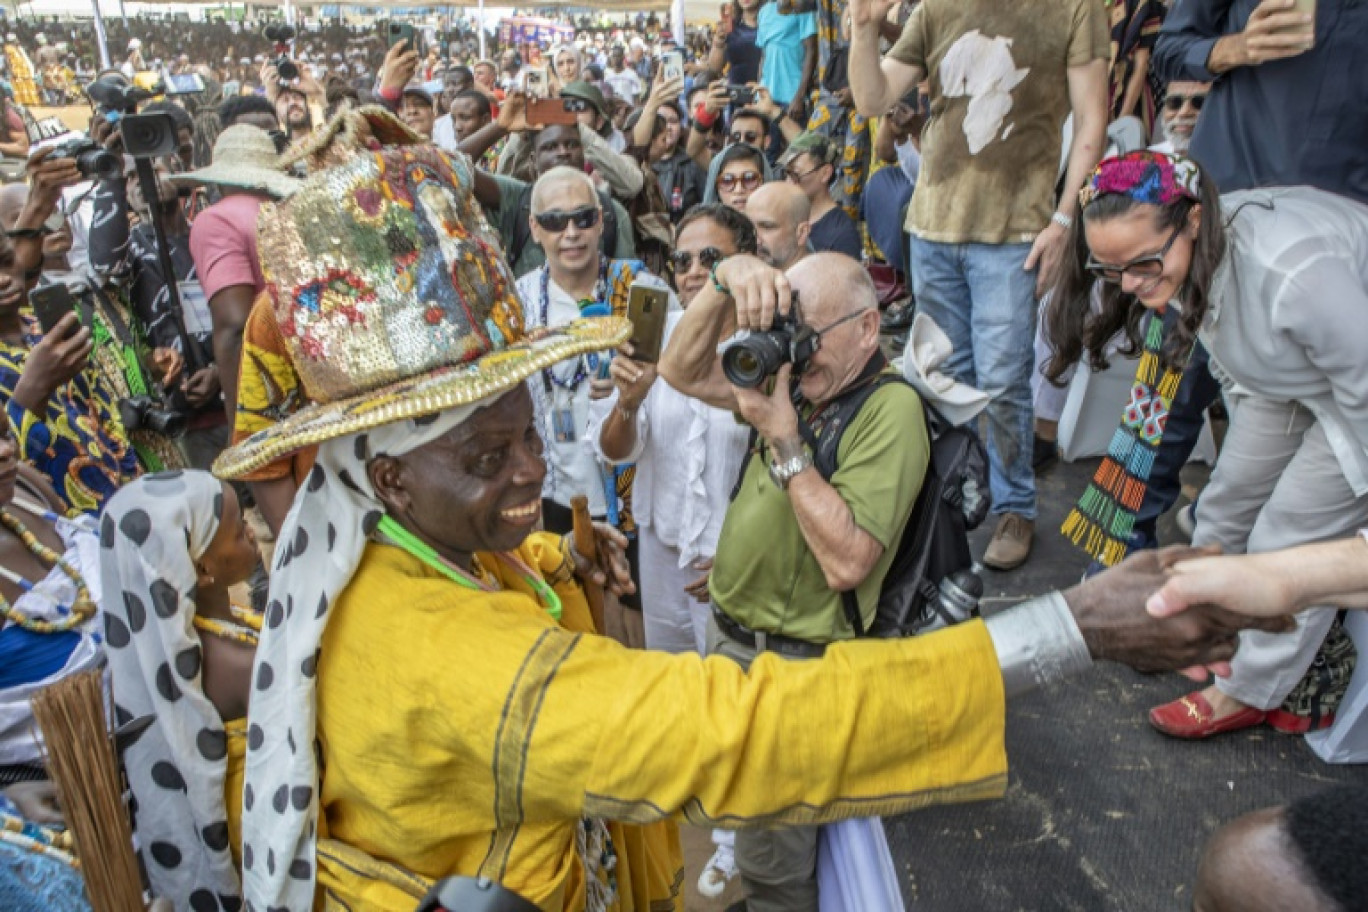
column 223, row 242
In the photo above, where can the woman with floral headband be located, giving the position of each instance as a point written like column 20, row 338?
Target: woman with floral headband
column 1275, row 284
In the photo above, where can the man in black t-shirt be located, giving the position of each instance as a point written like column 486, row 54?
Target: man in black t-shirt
column 809, row 163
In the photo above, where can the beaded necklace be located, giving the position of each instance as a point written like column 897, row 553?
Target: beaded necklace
column 74, row 615
column 246, row 631
column 405, row 540
column 585, row 364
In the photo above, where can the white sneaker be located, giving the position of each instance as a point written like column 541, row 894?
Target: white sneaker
column 1186, row 520
column 719, row 869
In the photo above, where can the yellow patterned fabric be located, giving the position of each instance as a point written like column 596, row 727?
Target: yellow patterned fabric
column 233, row 778
column 269, row 390
column 465, row 732
column 22, row 75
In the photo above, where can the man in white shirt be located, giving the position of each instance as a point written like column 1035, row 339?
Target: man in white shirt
column 626, row 84
column 567, row 221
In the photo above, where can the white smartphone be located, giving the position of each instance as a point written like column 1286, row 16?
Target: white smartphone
column 534, row 82
column 672, row 64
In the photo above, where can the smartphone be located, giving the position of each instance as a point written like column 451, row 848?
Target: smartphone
column 1306, row 8
column 50, row 303
column 672, row 64
column 402, row 31
column 182, row 83
column 726, row 16
column 741, row 95
column 544, row 112
column 647, row 307
column 534, row 82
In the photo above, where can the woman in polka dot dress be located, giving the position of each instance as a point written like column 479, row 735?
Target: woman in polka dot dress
column 171, row 547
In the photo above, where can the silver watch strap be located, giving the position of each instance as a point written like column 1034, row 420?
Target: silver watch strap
column 1038, row 643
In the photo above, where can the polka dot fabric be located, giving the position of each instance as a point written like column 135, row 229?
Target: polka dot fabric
column 152, row 532
column 321, row 544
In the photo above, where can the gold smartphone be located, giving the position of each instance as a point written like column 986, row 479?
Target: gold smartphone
column 1306, row 8
column 647, row 308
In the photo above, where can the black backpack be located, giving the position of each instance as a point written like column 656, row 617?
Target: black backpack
column 954, row 499
column 522, row 226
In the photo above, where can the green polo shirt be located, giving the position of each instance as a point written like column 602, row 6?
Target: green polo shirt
column 766, row 577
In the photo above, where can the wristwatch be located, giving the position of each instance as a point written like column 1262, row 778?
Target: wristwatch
column 783, row 472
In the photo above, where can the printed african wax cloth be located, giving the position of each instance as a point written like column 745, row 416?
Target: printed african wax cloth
column 79, row 444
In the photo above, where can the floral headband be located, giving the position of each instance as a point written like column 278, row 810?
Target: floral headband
column 1146, row 177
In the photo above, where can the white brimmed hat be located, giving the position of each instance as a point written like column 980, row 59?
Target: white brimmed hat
column 244, row 157
column 928, row 348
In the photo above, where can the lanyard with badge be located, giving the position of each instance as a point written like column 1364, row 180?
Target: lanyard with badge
column 563, row 414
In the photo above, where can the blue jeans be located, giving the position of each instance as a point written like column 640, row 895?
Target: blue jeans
column 984, row 300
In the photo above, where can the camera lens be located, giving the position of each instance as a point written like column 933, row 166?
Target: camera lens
column 99, row 164
column 747, row 362
column 165, row 422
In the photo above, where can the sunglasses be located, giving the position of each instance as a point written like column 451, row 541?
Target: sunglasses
column 708, row 257
column 795, row 177
column 585, row 217
column 1175, row 102
column 748, row 181
column 749, row 137
column 1146, row 267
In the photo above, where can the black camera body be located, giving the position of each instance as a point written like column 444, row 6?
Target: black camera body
column 281, row 35
column 748, row 361
column 94, row 161
column 149, row 413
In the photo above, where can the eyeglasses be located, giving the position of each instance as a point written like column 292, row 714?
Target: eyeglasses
column 795, row 177
column 748, row 180
column 1175, row 102
column 555, row 221
column 708, row 257
column 1146, row 267
column 749, row 137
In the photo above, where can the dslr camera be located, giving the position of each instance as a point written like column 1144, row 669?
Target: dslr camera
column 748, row 361
column 94, row 161
column 281, row 35
column 150, row 413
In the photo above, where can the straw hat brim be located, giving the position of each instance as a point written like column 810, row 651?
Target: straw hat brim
column 244, row 177
column 426, row 394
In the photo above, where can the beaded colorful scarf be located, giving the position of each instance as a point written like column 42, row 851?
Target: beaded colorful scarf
column 1102, row 521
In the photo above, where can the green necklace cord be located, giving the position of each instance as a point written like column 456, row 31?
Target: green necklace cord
column 407, row 541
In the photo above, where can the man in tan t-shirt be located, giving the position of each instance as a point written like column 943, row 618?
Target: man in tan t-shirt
column 986, row 230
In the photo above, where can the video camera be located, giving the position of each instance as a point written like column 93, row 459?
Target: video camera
column 281, row 35
column 749, row 360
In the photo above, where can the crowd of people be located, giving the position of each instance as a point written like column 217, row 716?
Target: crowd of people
column 564, row 566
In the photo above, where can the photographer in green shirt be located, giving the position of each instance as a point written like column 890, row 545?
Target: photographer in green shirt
column 792, row 541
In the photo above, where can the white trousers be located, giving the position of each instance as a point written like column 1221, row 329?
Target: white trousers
column 675, row 622
column 1277, row 484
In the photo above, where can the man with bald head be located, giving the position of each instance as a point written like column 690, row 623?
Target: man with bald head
column 793, row 541
column 780, row 213
column 1306, row 855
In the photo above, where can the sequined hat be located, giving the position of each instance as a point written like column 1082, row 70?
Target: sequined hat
column 392, row 295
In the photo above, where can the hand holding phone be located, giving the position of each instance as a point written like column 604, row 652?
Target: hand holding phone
column 647, row 308
column 50, row 303
column 54, row 361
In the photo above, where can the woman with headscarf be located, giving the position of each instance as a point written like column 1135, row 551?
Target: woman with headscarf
column 171, row 546
column 734, row 174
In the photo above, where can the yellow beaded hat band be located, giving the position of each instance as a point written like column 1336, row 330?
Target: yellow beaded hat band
column 392, row 295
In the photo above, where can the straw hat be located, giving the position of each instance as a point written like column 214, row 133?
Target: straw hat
column 392, row 294
column 244, row 157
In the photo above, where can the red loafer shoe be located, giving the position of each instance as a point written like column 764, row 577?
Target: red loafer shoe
column 1293, row 724
column 1192, row 717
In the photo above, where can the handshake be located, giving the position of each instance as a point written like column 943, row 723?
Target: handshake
column 1196, row 602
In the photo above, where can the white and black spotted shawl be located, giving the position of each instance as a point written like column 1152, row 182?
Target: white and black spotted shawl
column 152, row 532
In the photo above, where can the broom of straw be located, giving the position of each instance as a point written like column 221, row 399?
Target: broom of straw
column 81, row 760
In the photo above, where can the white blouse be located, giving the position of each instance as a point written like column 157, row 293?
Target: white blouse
column 687, row 455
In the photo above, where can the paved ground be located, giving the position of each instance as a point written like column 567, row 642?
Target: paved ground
column 1102, row 814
